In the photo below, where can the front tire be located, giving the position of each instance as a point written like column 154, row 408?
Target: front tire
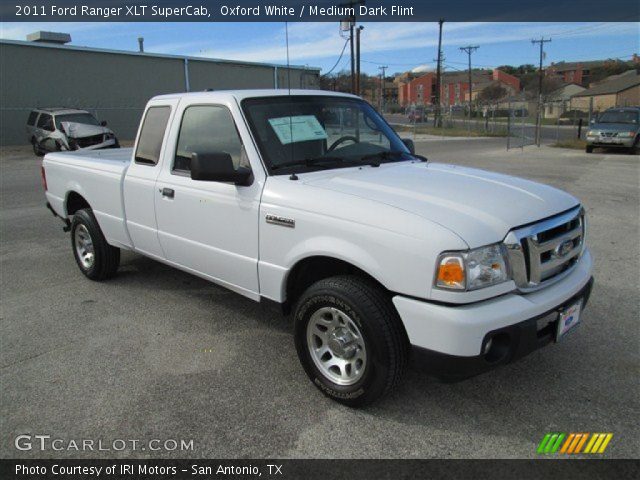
column 589, row 149
column 350, row 340
column 96, row 259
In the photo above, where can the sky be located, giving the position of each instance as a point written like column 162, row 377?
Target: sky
column 400, row 46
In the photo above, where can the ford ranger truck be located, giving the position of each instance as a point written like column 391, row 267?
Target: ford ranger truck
column 310, row 200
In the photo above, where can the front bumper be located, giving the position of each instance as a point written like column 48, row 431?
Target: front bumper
column 521, row 339
column 606, row 142
column 462, row 330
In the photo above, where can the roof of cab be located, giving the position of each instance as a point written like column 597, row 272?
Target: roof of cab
column 242, row 94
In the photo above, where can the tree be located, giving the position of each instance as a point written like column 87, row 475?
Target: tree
column 517, row 71
column 530, row 84
column 611, row 67
column 492, row 93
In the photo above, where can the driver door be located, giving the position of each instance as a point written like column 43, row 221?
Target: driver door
column 206, row 227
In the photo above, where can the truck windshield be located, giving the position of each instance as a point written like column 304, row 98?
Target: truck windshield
column 85, row 118
column 621, row 116
column 310, row 132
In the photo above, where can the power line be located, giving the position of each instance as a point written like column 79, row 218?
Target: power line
column 344, row 47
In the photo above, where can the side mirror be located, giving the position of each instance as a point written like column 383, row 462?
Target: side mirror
column 218, row 167
column 593, row 120
column 103, row 123
column 410, row 145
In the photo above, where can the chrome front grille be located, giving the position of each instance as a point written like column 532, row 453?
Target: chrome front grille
column 544, row 252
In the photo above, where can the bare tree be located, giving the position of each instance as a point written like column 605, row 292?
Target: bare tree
column 492, row 93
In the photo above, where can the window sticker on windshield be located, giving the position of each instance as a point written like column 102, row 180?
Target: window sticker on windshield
column 301, row 127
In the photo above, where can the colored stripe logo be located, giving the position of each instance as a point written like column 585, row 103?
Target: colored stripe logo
column 572, row 443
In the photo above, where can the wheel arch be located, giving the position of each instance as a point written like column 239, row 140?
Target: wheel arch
column 308, row 270
column 74, row 201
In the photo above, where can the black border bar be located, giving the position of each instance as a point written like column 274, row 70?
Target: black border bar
column 164, row 469
column 309, row 10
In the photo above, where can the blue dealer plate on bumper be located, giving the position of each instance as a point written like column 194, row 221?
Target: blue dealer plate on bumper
column 568, row 318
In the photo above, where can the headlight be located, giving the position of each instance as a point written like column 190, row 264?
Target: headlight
column 626, row 134
column 478, row 268
column 592, row 133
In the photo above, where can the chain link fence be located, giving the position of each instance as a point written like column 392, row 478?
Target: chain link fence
column 519, row 119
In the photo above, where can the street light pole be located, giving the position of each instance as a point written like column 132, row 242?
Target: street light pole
column 358, row 79
column 352, row 22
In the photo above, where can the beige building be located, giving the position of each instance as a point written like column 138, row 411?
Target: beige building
column 616, row 91
column 559, row 102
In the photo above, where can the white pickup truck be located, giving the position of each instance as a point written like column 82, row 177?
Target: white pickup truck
column 309, row 199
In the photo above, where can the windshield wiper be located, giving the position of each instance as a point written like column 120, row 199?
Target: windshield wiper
column 387, row 155
column 309, row 162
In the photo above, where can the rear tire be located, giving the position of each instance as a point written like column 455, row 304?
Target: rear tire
column 350, row 340
column 589, row 149
column 96, row 259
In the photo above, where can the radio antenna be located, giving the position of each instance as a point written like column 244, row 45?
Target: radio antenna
column 286, row 36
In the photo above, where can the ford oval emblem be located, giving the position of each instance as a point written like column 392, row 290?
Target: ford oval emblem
column 563, row 249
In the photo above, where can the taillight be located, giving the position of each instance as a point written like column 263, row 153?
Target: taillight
column 44, row 178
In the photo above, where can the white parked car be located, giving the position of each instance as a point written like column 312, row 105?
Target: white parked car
column 308, row 199
column 57, row 129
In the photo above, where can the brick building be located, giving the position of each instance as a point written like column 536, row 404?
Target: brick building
column 580, row 73
column 454, row 88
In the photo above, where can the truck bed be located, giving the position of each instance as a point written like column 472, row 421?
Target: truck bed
column 96, row 176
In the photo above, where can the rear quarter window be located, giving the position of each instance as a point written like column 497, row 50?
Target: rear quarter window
column 31, row 121
column 154, row 126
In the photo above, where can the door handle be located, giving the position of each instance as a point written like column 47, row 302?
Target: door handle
column 168, row 192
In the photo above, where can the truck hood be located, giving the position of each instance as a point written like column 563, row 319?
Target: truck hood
column 81, row 130
column 479, row 206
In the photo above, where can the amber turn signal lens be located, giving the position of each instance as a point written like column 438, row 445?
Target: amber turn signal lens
column 451, row 273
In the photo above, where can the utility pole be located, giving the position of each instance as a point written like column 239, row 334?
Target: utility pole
column 352, row 22
column 437, row 121
column 542, row 41
column 469, row 49
column 382, row 89
column 358, row 79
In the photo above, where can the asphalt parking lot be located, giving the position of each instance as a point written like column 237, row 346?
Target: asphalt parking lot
column 159, row 354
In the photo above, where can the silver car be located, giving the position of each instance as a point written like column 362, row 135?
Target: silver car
column 55, row 129
column 616, row 127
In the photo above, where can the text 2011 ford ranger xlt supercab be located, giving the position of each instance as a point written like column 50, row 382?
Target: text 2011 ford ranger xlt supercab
column 309, row 199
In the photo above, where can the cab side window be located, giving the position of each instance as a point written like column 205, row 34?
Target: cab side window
column 32, row 119
column 207, row 129
column 151, row 135
column 45, row 122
